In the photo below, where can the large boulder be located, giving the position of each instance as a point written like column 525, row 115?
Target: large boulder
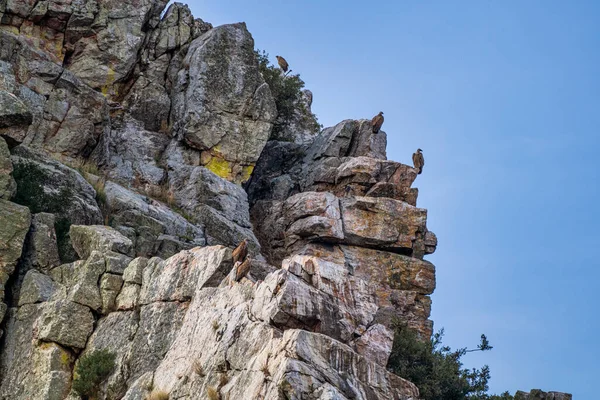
column 87, row 239
column 221, row 102
column 66, row 323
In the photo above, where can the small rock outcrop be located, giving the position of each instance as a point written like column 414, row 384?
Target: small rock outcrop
column 537, row 394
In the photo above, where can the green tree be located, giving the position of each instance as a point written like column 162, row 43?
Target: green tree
column 287, row 93
column 437, row 370
column 91, row 370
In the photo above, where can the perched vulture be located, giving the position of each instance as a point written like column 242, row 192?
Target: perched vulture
column 282, row 63
column 240, row 252
column 377, row 121
column 242, row 269
column 418, row 160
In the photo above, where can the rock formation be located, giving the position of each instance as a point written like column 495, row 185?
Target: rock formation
column 135, row 154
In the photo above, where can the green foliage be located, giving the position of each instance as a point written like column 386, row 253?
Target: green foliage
column 437, row 370
column 30, row 192
column 91, row 371
column 287, row 92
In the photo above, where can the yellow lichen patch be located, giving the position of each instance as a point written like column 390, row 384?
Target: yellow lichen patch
column 110, row 79
column 220, row 167
column 246, row 173
column 65, row 359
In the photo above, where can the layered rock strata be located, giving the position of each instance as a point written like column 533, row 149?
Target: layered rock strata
column 135, row 151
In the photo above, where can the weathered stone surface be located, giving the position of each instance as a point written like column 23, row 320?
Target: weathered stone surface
column 376, row 344
column 382, row 222
column 197, row 186
column 221, row 102
column 87, row 239
column 148, row 219
column 390, row 271
column 312, row 215
column 8, row 186
column 110, row 286
column 349, row 138
column 300, row 128
column 108, row 56
column 116, row 263
column 14, row 225
column 128, row 297
column 36, row 288
column 134, row 271
column 41, row 250
column 84, row 289
column 131, row 154
column 66, row 323
column 177, row 278
column 537, row 394
column 15, row 117
column 31, row 370
column 62, row 189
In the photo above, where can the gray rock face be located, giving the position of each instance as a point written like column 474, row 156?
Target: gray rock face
column 87, row 239
column 109, row 55
column 14, row 224
column 14, row 117
column 56, row 324
column 145, row 221
column 221, row 103
column 41, row 250
column 8, row 186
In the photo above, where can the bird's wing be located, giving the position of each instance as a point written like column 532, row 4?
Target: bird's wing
column 421, row 159
column 415, row 160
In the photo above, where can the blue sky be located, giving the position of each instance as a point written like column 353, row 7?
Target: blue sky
column 504, row 99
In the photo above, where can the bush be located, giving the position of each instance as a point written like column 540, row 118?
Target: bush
column 437, row 370
column 91, row 370
column 287, row 93
column 30, row 192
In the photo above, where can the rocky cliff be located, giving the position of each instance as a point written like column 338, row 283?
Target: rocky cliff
column 136, row 152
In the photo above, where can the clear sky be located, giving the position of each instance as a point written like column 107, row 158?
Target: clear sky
column 504, row 99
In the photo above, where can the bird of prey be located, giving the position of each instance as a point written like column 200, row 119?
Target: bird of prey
column 242, row 269
column 282, row 63
column 418, row 160
column 240, row 252
column 377, row 121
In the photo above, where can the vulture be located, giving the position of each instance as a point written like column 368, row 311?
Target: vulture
column 282, row 63
column 418, row 160
column 240, row 252
column 242, row 269
column 377, row 121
